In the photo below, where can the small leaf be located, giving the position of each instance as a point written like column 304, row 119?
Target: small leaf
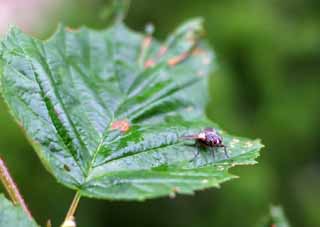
column 110, row 127
column 11, row 215
column 276, row 218
column 116, row 11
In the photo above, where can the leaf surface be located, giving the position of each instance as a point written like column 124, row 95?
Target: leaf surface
column 275, row 218
column 11, row 215
column 105, row 110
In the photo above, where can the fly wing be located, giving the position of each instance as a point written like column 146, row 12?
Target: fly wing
column 190, row 137
column 209, row 130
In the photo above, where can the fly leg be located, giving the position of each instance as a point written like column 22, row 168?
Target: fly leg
column 197, row 153
column 225, row 151
column 213, row 152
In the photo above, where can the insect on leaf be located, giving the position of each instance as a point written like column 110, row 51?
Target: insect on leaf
column 106, row 110
column 11, row 215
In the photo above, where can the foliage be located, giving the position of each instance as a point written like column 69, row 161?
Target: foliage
column 276, row 218
column 266, row 86
column 106, row 110
column 11, row 215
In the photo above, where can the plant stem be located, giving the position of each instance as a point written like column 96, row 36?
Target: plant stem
column 49, row 223
column 120, row 8
column 12, row 188
column 72, row 209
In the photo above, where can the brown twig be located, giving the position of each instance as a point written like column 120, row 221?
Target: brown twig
column 12, row 188
column 48, row 224
column 69, row 220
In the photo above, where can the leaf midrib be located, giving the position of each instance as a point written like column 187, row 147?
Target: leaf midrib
column 253, row 150
column 86, row 171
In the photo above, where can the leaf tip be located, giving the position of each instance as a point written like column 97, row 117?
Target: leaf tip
column 12, row 30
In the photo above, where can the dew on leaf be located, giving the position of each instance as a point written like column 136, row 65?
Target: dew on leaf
column 205, row 181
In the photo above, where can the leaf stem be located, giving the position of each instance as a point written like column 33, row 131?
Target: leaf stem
column 72, row 209
column 120, row 8
column 12, row 188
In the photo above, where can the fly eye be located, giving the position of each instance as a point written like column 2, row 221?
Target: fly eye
column 216, row 141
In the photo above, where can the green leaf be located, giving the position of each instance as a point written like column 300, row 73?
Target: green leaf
column 75, row 91
column 11, row 215
column 115, row 11
column 276, row 218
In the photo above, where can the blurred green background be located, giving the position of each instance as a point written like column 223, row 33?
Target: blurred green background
column 267, row 86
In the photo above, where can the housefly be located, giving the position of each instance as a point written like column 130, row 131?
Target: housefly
column 208, row 137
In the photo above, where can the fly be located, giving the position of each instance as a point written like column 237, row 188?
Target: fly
column 209, row 137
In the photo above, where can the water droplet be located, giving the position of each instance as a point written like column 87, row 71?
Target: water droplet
column 220, row 168
column 205, row 181
column 149, row 28
column 190, row 109
column 206, row 61
column 235, row 141
column 201, row 73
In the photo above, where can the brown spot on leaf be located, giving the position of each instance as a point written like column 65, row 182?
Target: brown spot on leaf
column 147, row 42
column 178, row 59
column 206, row 60
column 162, row 51
column 198, row 51
column 69, row 29
column 149, row 63
column 121, row 125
